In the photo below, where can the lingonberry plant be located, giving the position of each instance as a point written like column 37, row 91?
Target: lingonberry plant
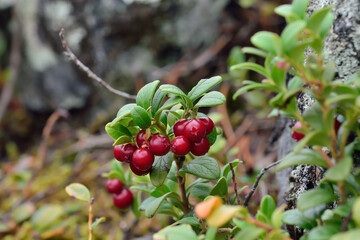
column 163, row 139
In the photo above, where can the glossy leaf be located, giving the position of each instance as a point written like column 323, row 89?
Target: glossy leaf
column 324, row 232
column 250, row 233
column 283, row 10
column 251, row 66
column 156, row 102
column 315, row 197
column 153, row 206
column 203, row 86
column 340, row 171
column 78, row 191
column 176, row 233
column 193, row 221
column 200, row 190
column 204, row 167
column 305, row 156
column 265, row 40
column 356, row 211
column 254, row 51
column 288, row 36
column 317, row 18
column 117, row 130
column 297, row 218
column 160, row 169
column 122, row 139
column 220, row 188
column 253, row 86
column 267, row 206
column 349, row 235
column 123, row 112
column 168, row 88
column 299, row 7
column 211, row 99
column 145, row 95
column 141, row 117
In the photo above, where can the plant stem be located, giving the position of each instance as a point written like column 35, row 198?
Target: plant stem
column 90, row 218
column 181, row 181
column 235, row 186
column 342, row 192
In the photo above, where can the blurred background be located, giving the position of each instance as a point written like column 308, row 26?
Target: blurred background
column 52, row 116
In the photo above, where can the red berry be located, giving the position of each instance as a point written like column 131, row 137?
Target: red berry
column 180, row 146
column 200, row 148
column 124, row 152
column 140, row 140
column 159, row 145
column 143, row 159
column 179, row 127
column 208, row 123
column 297, row 135
column 114, row 186
column 194, row 130
column 137, row 171
column 124, row 199
column 337, row 125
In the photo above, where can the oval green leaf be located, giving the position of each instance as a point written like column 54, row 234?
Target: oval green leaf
column 220, row 188
column 116, row 130
column 211, row 99
column 204, row 167
column 123, row 112
column 78, row 191
column 203, row 86
column 161, row 168
column 305, row 156
column 145, row 94
column 141, row 117
column 314, row 198
column 340, row 171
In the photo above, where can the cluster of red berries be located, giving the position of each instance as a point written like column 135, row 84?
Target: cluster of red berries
column 190, row 136
column 122, row 197
column 141, row 158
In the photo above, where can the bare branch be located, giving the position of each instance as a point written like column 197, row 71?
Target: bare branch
column 235, row 186
column 85, row 69
column 254, row 186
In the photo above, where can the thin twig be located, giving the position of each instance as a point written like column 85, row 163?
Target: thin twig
column 89, row 73
column 181, row 181
column 254, row 186
column 15, row 59
column 90, row 218
column 235, row 186
column 346, row 222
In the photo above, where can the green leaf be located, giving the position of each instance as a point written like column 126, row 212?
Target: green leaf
column 78, row 191
column 253, row 86
column 340, row 171
column 356, row 211
column 122, row 139
column 204, row 167
column 283, row 10
column 314, row 116
column 181, row 232
column 97, row 222
column 326, row 25
column 288, row 36
column 212, row 137
column 46, row 216
column 203, row 86
column 116, row 130
column 299, row 7
column 250, row 233
column 168, row 88
column 145, row 94
column 211, row 99
column 317, row 18
column 141, row 117
column 315, row 138
column 117, row 171
column 305, row 156
column 23, row 212
column 315, row 197
column 276, row 217
column 267, row 206
column 193, row 221
column 220, row 188
column 211, row 233
column 227, row 169
column 267, row 41
column 136, row 204
column 156, row 102
column 155, row 204
column 251, row 66
column 254, row 51
column 123, row 112
column 160, row 169
column 349, row 235
column 324, row 232
column 297, row 218
column 200, row 190
column 169, row 103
